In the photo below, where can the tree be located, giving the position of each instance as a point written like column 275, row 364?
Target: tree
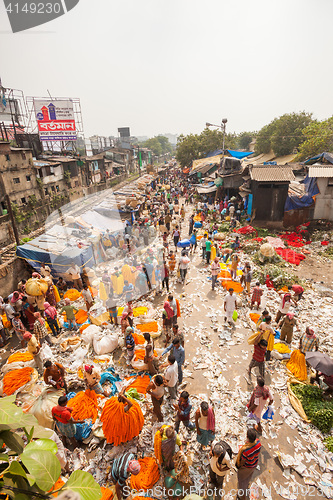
column 195, row 146
column 153, row 144
column 159, row 145
column 318, row 138
column 284, row 134
column 30, row 471
column 244, row 140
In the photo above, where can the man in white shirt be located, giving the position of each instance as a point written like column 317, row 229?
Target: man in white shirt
column 219, row 466
column 183, row 266
column 171, row 376
column 230, row 305
column 203, row 247
column 74, row 273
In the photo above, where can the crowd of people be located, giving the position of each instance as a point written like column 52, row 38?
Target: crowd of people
column 176, row 217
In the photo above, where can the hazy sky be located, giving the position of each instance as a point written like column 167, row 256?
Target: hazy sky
column 169, row 66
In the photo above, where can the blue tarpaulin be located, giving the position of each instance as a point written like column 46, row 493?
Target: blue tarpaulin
column 235, row 154
column 317, row 159
column 295, row 202
column 56, row 253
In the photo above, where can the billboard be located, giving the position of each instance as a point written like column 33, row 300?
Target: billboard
column 55, row 119
column 124, row 131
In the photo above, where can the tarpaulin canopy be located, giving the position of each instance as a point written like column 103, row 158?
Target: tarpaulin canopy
column 296, row 202
column 58, row 251
column 206, row 189
column 317, row 159
column 235, row 154
column 205, row 163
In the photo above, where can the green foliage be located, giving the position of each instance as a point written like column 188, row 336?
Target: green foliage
column 284, row 134
column 195, row 146
column 30, row 464
column 244, row 140
column 320, row 412
column 40, row 183
column 328, row 442
column 159, row 145
column 317, row 138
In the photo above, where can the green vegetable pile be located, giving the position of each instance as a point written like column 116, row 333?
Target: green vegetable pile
column 320, row 412
column 328, row 442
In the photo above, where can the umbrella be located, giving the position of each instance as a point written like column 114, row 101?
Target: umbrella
column 184, row 243
column 320, row 362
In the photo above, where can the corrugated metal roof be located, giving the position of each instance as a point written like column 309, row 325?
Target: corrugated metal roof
column 320, row 171
column 272, row 173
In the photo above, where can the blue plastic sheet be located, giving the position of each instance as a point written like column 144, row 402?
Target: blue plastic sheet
column 83, row 430
column 110, row 376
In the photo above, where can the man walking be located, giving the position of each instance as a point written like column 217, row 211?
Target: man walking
column 179, row 353
column 215, row 268
column 230, row 305
column 246, row 462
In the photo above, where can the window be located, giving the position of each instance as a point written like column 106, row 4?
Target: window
column 23, row 200
column 58, row 189
column 8, row 157
column 28, row 177
column 16, row 180
column 53, row 189
column 46, row 191
column 330, row 181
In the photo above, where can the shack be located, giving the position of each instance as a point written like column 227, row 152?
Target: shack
column 269, row 190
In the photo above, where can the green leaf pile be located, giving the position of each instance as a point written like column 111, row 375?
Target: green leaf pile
column 320, row 412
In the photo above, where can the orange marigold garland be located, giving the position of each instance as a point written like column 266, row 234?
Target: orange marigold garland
column 148, row 475
column 138, row 339
column 152, row 326
column 140, row 383
column 158, row 447
column 107, row 494
column 297, row 365
column 85, row 405
column 20, row 356
column 72, row 294
column 15, row 379
column 120, row 426
column 140, row 354
column 57, row 485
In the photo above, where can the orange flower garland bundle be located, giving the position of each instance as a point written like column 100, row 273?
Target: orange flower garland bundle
column 138, row 339
column 57, row 485
column 120, row 426
column 83, row 327
column 140, row 354
column 85, row 405
column 106, row 494
column 81, row 316
column 141, row 498
column 72, row 294
column 297, row 365
column 158, row 447
column 254, row 317
column 20, row 356
column 15, row 379
column 140, row 384
column 148, row 475
column 148, row 327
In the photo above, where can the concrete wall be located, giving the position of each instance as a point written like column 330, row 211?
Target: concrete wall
column 11, row 273
column 324, row 200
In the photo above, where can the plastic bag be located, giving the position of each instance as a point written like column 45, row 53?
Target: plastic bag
column 108, row 343
column 42, row 409
column 268, row 415
column 89, row 334
column 235, row 315
column 77, row 358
